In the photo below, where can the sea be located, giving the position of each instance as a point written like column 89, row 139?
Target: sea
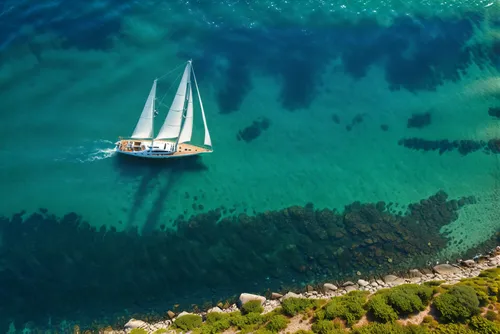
column 350, row 139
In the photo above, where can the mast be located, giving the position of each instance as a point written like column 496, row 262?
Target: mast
column 153, row 119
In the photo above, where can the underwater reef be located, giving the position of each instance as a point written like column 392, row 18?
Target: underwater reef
column 254, row 130
column 419, row 120
column 464, row 147
column 64, row 268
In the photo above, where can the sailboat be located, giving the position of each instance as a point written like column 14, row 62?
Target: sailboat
column 174, row 138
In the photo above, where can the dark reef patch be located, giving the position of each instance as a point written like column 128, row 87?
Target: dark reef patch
column 416, row 54
column 85, row 28
column 357, row 119
column 419, row 120
column 494, row 112
column 254, row 130
column 65, row 268
column 384, row 127
column 336, row 119
column 464, row 147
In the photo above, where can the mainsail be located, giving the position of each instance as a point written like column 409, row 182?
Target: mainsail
column 187, row 128
column 172, row 125
column 144, row 127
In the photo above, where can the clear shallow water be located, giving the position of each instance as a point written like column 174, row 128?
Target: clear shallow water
column 337, row 86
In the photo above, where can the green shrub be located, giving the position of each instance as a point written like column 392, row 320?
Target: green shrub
column 160, row 331
column 433, row 283
column 138, row 331
column 409, row 298
column 252, row 306
column 453, row 329
column 427, row 319
column 457, row 304
column 326, row 327
column 236, row 319
column 188, row 322
column 213, row 317
column 491, row 316
column 215, row 323
column 484, row 326
column 292, row 306
column 277, row 323
column 380, row 310
column 389, row 328
column 348, row 307
column 301, row 331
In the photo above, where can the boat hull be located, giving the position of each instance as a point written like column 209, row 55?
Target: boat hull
column 161, row 149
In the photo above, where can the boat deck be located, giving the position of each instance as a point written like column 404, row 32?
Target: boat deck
column 182, row 149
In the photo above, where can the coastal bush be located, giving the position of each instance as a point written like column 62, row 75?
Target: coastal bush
column 247, row 321
column 457, row 304
column 380, row 310
column 389, row 328
column 292, row 306
column 160, row 331
column 215, row 323
column 491, row 316
column 277, row 323
column 252, row 306
column 433, row 283
column 188, row 322
column 301, row 331
column 484, row 326
column 348, row 307
column 138, row 331
column 486, row 285
column 326, row 327
column 409, row 298
column 453, row 329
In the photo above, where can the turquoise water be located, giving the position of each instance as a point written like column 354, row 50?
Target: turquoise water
column 337, row 84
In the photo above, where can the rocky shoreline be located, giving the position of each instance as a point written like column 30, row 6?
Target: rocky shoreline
column 448, row 273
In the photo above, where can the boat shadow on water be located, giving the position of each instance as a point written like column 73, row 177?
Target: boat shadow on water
column 156, row 176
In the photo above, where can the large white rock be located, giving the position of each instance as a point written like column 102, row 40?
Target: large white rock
column 246, row 297
column 446, row 269
column 215, row 309
column 134, row 323
column 362, row 282
column 291, row 295
column 329, row 287
column 393, row 280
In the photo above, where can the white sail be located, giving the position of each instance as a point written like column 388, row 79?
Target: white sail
column 144, row 127
column 172, row 125
column 207, row 140
column 187, row 128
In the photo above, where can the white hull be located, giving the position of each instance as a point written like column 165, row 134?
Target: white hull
column 157, row 155
column 161, row 149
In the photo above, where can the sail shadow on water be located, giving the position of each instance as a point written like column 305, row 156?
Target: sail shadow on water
column 151, row 172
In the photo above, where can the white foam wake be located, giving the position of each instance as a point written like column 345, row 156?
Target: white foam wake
column 92, row 151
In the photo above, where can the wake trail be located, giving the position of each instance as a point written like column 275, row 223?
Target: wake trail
column 90, row 152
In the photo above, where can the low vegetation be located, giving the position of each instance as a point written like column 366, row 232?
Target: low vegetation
column 468, row 307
